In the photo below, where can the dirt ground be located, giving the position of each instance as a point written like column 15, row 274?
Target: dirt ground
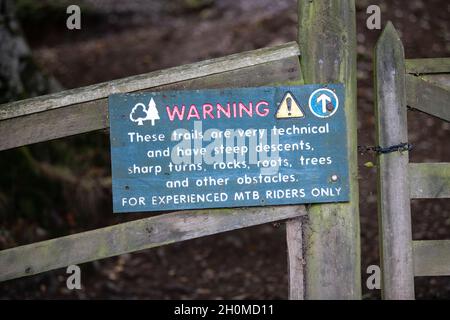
column 126, row 38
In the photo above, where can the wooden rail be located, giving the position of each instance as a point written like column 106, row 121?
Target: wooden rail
column 133, row 236
column 428, row 97
column 429, row 180
column 427, row 66
column 432, row 258
column 148, row 80
column 441, row 79
column 86, row 109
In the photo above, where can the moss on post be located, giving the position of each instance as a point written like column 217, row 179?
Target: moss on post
column 327, row 40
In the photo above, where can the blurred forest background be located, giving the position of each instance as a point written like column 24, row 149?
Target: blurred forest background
column 56, row 188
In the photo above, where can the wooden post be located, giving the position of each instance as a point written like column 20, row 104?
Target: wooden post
column 294, row 239
column 393, row 184
column 327, row 40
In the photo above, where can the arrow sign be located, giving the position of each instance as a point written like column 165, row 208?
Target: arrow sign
column 324, row 99
column 323, row 103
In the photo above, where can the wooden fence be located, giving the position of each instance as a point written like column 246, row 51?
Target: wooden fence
column 322, row 240
column 424, row 85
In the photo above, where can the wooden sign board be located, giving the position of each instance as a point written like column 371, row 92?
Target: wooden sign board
column 262, row 146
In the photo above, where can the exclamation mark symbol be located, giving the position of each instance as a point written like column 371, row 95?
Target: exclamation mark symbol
column 289, row 102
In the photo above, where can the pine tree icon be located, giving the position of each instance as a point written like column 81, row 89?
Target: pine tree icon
column 152, row 112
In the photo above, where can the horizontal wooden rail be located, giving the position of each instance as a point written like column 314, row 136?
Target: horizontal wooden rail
column 429, row 180
column 427, row 97
column 133, row 236
column 85, row 109
column 441, row 80
column 430, row 65
column 431, row 257
column 148, row 80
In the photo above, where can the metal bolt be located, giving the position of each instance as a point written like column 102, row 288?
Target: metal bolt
column 334, row 178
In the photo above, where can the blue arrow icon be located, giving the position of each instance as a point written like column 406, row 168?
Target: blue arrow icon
column 323, row 103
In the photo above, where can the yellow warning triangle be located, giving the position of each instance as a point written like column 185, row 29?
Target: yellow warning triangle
column 289, row 108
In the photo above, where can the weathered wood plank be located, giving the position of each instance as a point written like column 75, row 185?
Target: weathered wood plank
column 441, row 80
column 294, row 241
column 428, row 97
column 429, row 65
column 394, row 210
column 327, row 38
column 132, row 236
column 148, row 80
column 431, row 258
column 429, row 180
column 93, row 115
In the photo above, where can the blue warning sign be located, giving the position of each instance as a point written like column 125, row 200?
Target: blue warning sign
column 174, row 150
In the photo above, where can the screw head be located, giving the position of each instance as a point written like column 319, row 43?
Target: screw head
column 334, row 178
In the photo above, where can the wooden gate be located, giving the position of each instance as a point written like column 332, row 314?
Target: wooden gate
column 424, row 85
column 322, row 240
